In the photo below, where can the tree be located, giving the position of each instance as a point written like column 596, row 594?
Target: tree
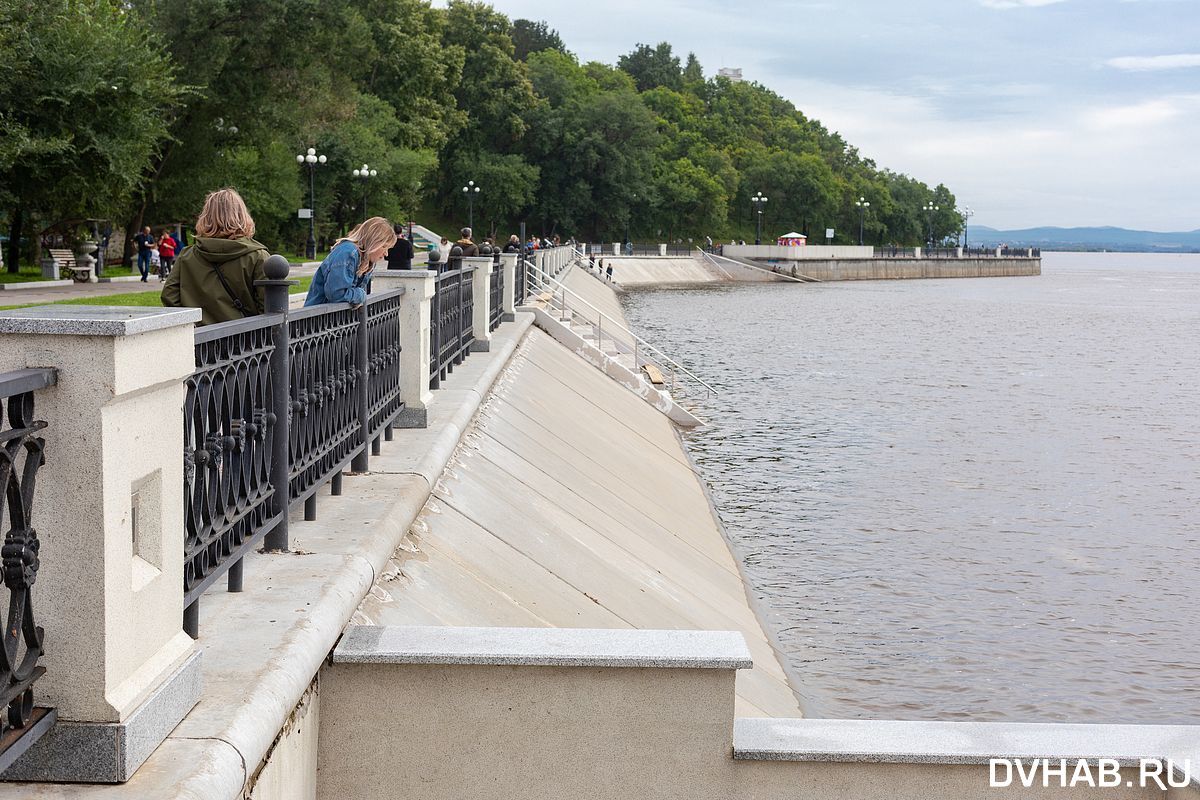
column 85, row 102
column 653, row 66
column 534, row 37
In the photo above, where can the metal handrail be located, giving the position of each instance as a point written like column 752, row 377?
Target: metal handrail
column 613, row 323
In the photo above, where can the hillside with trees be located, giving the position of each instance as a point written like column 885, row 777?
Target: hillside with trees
column 132, row 111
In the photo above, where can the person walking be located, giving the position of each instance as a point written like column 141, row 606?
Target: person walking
column 145, row 243
column 345, row 272
column 166, row 255
column 218, row 272
column 401, row 254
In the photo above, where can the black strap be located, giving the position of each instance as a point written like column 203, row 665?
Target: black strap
column 237, row 303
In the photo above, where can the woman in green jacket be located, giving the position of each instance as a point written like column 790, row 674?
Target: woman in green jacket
column 217, row 273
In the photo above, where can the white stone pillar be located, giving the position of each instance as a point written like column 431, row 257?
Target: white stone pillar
column 916, row 252
column 109, row 514
column 998, row 249
column 616, row 248
column 662, row 249
column 508, row 263
column 958, row 252
column 415, row 323
column 481, row 284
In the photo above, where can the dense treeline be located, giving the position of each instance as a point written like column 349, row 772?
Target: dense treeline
column 131, row 110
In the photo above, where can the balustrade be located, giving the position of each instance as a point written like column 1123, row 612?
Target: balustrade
column 22, row 453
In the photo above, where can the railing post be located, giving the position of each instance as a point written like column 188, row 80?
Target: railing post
column 508, row 263
column 361, row 462
column 110, row 509
column 275, row 291
column 480, row 296
column 415, row 326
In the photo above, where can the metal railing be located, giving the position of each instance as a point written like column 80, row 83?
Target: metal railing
column 21, row 456
column 521, row 287
column 285, row 399
column 451, row 315
column 568, row 305
column 496, row 296
column 895, row 252
column 940, row 252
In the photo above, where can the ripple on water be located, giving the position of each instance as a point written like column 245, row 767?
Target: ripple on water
column 969, row 499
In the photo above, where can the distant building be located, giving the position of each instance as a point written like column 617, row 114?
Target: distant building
column 732, row 73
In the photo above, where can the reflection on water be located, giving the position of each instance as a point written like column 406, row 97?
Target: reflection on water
column 963, row 498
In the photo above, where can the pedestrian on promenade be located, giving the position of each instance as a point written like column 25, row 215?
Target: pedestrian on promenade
column 608, row 272
column 514, row 244
column 217, row 273
column 145, row 243
column 469, row 248
column 401, row 254
column 166, row 255
column 345, row 272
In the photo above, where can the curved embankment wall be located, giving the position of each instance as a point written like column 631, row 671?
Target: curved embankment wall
column 570, row 503
column 879, row 269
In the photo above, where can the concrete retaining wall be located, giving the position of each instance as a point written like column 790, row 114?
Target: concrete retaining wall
column 805, row 253
column 877, row 269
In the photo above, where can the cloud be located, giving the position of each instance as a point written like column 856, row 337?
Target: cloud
column 1005, row 4
column 1155, row 63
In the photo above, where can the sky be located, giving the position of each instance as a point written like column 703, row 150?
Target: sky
column 1033, row 112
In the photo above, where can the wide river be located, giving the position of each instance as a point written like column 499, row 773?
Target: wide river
column 963, row 499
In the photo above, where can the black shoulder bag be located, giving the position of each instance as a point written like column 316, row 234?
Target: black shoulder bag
column 237, row 303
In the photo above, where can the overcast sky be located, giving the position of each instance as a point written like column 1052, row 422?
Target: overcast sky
column 1033, row 112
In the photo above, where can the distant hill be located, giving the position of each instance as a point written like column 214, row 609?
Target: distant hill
column 1120, row 239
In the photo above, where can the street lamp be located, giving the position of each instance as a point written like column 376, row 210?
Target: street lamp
column 863, row 204
column 967, row 213
column 311, row 159
column 365, row 173
column 471, row 190
column 929, row 208
column 758, row 201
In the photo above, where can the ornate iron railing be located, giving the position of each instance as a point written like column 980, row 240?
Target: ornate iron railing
column 451, row 315
column 496, row 297
column 383, row 362
column 22, row 453
column 324, row 413
column 521, row 286
column 228, row 430
column 286, row 399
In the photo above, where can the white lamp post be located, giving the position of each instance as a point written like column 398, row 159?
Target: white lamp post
column 311, row 160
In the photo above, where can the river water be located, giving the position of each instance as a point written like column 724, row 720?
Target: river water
column 963, row 499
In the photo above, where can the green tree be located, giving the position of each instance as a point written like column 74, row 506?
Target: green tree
column 534, row 37
column 653, row 66
column 85, row 102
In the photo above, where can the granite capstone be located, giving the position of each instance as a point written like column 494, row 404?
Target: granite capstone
column 544, row 647
column 94, row 320
column 913, row 742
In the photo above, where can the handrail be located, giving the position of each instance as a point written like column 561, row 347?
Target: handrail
column 638, row 340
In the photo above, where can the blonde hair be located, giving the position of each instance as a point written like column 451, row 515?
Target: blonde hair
column 225, row 216
column 367, row 236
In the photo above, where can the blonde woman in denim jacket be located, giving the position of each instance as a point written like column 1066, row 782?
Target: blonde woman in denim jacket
column 343, row 275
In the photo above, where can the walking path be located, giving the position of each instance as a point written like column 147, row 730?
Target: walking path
column 56, row 294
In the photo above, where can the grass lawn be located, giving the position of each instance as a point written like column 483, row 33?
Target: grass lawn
column 147, row 299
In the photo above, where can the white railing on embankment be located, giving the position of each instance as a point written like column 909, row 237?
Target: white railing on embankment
column 572, row 309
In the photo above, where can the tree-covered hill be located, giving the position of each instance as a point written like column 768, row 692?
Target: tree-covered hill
column 132, row 110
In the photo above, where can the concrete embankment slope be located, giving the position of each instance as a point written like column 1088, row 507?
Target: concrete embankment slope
column 661, row 271
column 570, row 503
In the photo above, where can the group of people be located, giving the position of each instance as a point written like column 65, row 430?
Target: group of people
column 156, row 255
column 601, row 271
column 219, row 271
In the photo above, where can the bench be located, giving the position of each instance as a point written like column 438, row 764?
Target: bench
column 65, row 259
